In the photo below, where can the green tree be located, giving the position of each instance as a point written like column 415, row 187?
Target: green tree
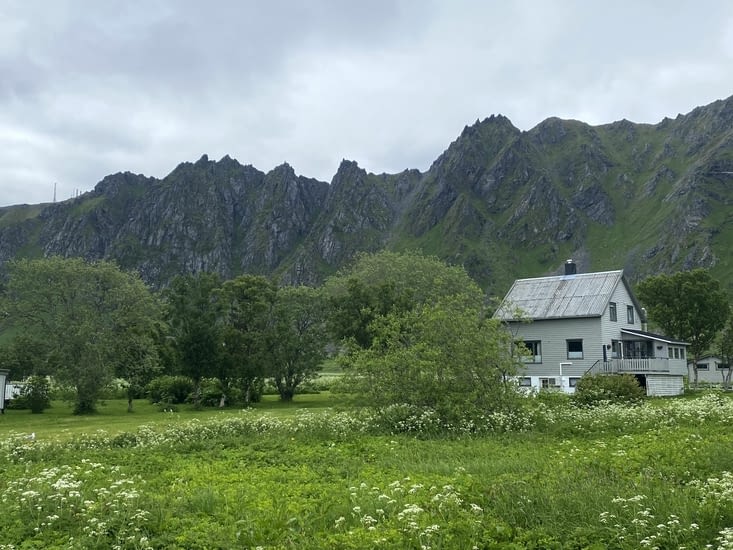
column 445, row 356
column 246, row 306
column 192, row 312
column 391, row 282
column 353, row 312
column 140, row 361
column 87, row 315
column 298, row 337
column 36, row 394
column 25, row 355
column 725, row 350
column 689, row 306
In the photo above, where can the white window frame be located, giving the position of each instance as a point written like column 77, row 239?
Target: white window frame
column 549, row 382
column 574, row 354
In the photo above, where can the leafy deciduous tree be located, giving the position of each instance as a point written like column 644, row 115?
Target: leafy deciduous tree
column 353, row 312
column 137, row 365
column 246, row 305
column 298, row 338
column 688, row 305
column 725, row 349
column 391, row 282
column 192, row 312
column 445, row 356
column 86, row 315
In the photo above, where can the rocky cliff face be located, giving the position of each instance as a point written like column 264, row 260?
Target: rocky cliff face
column 502, row 202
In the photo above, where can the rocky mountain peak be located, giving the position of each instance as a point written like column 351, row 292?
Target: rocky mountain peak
column 348, row 171
column 502, row 202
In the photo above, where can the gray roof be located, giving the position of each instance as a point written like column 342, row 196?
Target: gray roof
column 563, row 296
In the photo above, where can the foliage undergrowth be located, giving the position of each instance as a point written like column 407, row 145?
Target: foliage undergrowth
column 550, row 475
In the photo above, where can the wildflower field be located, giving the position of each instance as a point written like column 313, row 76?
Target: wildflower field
column 551, row 475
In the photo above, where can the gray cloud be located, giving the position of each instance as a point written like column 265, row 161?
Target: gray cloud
column 90, row 88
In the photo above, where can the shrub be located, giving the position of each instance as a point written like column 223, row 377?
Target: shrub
column 615, row 388
column 169, row 389
column 212, row 390
column 319, row 384
column 116, row 389
column 34, row 395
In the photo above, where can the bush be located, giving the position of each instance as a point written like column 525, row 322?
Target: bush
column 319, row 384
column 116, row 389
column 169, row 389
column 614, row 388
column 34, row 395
column 212, row 388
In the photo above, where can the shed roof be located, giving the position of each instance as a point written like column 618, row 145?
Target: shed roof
column 653, row 336
column 561, row 297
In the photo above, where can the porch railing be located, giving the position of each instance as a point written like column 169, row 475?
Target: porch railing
column 613, row 366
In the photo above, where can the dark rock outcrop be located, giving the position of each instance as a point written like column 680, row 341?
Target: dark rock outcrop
column 502, row 202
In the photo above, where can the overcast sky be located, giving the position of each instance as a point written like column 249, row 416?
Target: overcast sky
column 90, row 88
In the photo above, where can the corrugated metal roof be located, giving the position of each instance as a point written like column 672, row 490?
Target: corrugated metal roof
column 581, row 295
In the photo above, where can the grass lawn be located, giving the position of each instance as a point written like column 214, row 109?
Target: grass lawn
column 58, row 422
column 311, row 474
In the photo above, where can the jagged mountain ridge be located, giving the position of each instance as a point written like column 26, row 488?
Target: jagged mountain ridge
column 502, row 202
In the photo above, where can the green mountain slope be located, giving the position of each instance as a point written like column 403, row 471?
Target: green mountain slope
column 502, row 202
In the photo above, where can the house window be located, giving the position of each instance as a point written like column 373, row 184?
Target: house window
column 682, row 353
column 722, row 366
column 703, row 366
column 575, row 349
column 630, row 314
column 548, row 382
column 676, row 353
column 574, row 381
column 525, row 381
column 612, row 311
column 670, row 352
column 534, row 348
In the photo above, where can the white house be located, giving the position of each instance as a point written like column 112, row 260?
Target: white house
column 711, row 369
column 581, row 323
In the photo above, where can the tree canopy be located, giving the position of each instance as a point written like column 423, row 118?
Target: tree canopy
column 192, row 313
column 425, row 279
column 688, row 305
column 298, row 338
column 391, row 282
column 725, row 350
column 246, row 304
column 88, row 319
column 417, row 332
column 444, row 356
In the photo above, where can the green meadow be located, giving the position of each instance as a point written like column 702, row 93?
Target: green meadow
column 323, row 473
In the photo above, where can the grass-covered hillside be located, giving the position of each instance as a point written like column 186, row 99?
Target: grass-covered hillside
column 501, row 202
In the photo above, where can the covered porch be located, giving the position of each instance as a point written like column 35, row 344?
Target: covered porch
column 640, row 352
